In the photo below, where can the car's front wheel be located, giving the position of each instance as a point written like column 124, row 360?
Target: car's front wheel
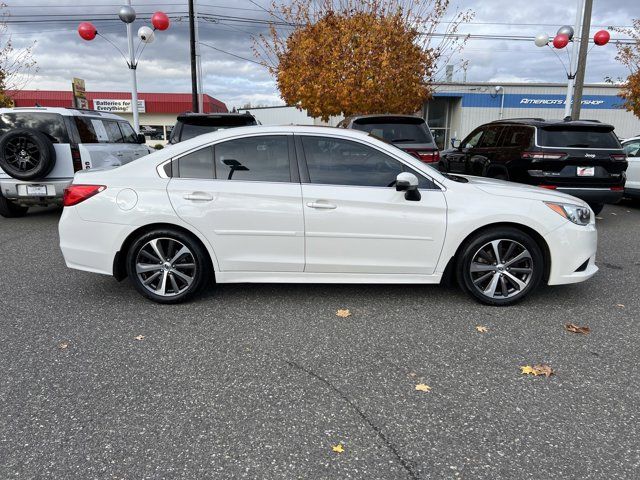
column 168, row 266
column 500, row 266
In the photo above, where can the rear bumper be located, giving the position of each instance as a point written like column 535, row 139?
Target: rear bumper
column 593, row 195
column 573, row 253
column 16, row 190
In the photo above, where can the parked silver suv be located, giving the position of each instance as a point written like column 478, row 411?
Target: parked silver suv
column 42, row 148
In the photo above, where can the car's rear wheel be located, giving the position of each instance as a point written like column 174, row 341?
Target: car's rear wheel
column 500, row 266
column 168, row 266
column 596, row 207
column 8, row 209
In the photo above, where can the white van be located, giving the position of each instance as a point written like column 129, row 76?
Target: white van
column 42, row 148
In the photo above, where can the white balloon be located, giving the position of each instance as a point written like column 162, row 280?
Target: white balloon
column 146, row 34
column 542, row 40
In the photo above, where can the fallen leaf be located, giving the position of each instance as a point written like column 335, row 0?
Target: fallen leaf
column 526, row 370
column 598, row 218
column 139, row 337
column 482, row 329
column 337, row 448
column 619, row 305
column 343, row 313
column 63, row 345
column 613, row 213
column 572, row 327
column 537, row 370
column 421, row 387
column 412, row 374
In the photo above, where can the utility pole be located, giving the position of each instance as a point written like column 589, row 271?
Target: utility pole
column 582, row 60
column 194, row 63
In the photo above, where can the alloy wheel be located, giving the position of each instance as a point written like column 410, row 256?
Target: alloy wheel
column 165, row 267
column 501, row 269
column 22, row 154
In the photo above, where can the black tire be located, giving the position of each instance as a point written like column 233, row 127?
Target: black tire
column 8, row 209
column 198, row 256
column 473, row 248
column 596, row 207
column 27, row 154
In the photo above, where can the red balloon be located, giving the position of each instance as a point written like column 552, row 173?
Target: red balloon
column 160, row 21
column 87, row 31
column 601, row 37
column 561, row 41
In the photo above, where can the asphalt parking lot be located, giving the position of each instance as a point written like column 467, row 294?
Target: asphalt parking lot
column 261, row 381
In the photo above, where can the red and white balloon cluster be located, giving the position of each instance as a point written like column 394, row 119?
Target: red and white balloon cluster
column 159, row 20
column 565, row 34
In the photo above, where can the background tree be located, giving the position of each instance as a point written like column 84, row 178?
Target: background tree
column 359, row 56
column 17, row 66
column 629, row 55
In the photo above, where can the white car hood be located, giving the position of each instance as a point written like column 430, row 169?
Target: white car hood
column 503, row 188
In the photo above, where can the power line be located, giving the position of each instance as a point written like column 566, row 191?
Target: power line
column 232, row 54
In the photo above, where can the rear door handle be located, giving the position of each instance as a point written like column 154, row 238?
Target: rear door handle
column 198, row 197
column 321, row 205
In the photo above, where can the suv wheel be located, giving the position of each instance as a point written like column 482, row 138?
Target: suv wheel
column 8, row 209
column 596, row 207
column 500, row 266
column 167, row 266
column 27, row 154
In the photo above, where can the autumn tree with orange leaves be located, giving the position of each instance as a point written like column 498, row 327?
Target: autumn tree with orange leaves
column 345, row 57
column 629, row 55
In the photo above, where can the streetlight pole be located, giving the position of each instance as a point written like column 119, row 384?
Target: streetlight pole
column 571, row 78
column 194, row 67
column 134, row 80
column 582, row 60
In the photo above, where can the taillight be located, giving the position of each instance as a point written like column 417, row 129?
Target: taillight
column 548, row 187
column 617, row 189
column 76, row 158
column 619, row 157
column 75, row 194
column 426, row 156
column 543, row 156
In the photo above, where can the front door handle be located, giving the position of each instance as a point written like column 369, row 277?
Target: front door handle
column 198, row 197
column 322, row 206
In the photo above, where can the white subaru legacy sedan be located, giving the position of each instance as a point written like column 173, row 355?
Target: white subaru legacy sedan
column 318, row 205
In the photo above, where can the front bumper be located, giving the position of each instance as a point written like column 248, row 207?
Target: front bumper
column 573, row 253
column 16, row 190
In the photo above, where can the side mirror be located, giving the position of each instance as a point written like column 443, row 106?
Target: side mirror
column 407, row 182
column 141, row 139
column 455, row 143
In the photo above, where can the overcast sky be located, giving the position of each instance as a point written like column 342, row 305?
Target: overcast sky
column 164, row 66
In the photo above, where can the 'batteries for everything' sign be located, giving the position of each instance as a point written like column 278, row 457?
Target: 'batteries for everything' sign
column 116, row 106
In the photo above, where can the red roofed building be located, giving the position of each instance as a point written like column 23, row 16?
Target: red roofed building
column 158, row 111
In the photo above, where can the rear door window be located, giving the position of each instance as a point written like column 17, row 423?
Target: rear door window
column 577, row 138
column 51, row 124
column 128, row 133
column 517, row 137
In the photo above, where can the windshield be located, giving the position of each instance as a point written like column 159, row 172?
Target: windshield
column 578, row 138
column 402, row 130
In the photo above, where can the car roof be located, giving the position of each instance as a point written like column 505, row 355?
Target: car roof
column 67, row 112
column 541, row 122
column 213, row 115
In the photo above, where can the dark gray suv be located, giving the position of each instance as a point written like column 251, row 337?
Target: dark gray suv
column 408, row 132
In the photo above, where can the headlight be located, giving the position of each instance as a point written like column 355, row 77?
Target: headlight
column 574, row 213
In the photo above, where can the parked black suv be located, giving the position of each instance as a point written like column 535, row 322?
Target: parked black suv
column 189, row 125
column 582, row 158
column 408, row 132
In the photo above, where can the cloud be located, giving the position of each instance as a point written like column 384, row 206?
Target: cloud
column 165, row 64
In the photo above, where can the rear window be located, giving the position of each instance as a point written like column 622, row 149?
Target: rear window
column 51, row 124
column 577, row 138
column 193, row 127
column 400, row 130
column 101, row 130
